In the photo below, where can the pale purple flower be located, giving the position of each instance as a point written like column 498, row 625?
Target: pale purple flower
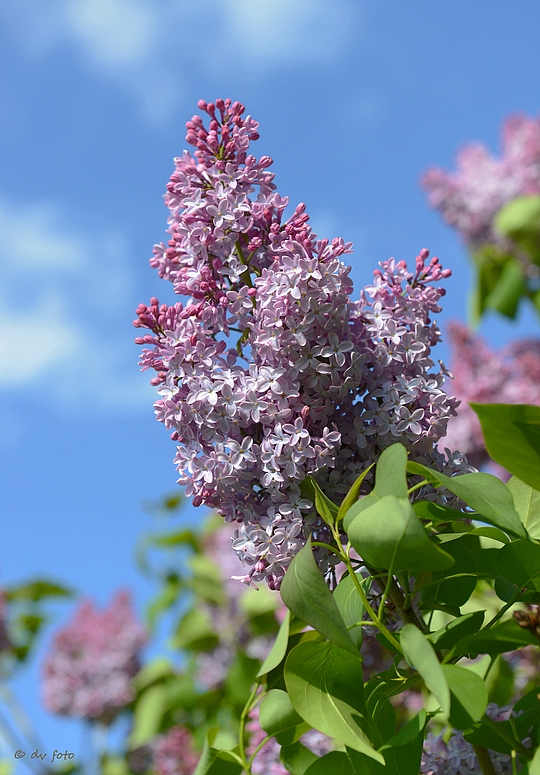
column 88, row 670
column 174, row 754
column 470, row 198
column 318, row 383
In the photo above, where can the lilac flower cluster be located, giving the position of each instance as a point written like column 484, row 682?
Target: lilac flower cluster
column 510, row 376
column 88, row 670
column 470, row 198
column 316, row 385
column 457, row 757
column 174, row 754
column 266, row 761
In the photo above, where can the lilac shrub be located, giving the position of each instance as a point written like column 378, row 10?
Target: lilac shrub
column 510, row 375
column 88, row 670
column 316, row 384
column 173, row 753
column 470, row 198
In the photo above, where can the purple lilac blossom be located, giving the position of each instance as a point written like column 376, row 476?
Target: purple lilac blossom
column 317, row 384
column 174, row 754
column 88, row 670
column 510, row 375
column 470, row 198
column 457, row 757
column 267, row 762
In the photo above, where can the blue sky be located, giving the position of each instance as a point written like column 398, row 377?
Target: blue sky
column 355, row 98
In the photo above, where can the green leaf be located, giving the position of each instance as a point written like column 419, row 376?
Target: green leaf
column 527, row 504
column 177, row 538
column 333, row 763
column 149, row 710
column 469, row 697
column 169, row 594
column 390, row 479
column 483, row 492
column 240, row 677
column 195, row 632
column 277, row 713
column 297, row 758
column 499, row 282
column 207, row 581
column 352, row 496
column 306, row 594
column 519, row 562
column 350, row 605
column 507, row 636
column 453, row 632
column 420, row 654
column 326, row 508
column 437, row 513
column 36, row 590
column 534, row 765
column 519, row 219
column 279, row 649
column 156, row 670
column 217, row 762
column 326, row 687
column 512, row 436
column 411, row 730
column 508, row 290
column 390, row 535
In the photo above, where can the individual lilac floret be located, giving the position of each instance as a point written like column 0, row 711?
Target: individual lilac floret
column 174, row 754
column 510, row 375
column 267, row 761
column 88, row 670
column 470, row 198
column 316, row 384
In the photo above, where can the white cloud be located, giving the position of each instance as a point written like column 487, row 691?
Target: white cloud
column 60, row 312
column 153, row 48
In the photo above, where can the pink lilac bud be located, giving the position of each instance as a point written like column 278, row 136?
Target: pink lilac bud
column 174, row 754
column 92, row 660
column 510, row 375
column 317, row 385
column 470, row 198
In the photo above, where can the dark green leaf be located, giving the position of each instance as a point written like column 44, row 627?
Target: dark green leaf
column 350, row 605
column 507, row 636
column 409, row 732
column 297, row 758
column 451, row 633
column 279, row 649
column 389, row 535
column 306, row 594
column 326, row 687
column 154, row 671
column 519, row 563
column 326, row 508
column 512, row 436
column 437, row 513
column 527, row 504
column 520, row 220
column 334, row 763
column 469, row 697
column 352, row 496
column 277, row 713
column 214, row 761
column 483, row 492
column 240, row 677
column 419, row 654
column 195, row 632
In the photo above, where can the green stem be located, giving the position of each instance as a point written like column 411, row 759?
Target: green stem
column 243, row 261
column 242, row 745
column 484, row 760
column 417, row 486
column 507, row 737
column 503, row 610
column 256, row 751
column 373, row 616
